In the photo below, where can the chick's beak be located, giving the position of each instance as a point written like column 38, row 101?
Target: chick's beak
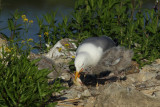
column 77, row 75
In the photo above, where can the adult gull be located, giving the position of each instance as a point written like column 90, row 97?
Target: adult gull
column 90, row 51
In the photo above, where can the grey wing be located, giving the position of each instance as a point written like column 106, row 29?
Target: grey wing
column 104, row 42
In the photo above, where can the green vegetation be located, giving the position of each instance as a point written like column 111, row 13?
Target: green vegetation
column 121, row 20
column 22, row 84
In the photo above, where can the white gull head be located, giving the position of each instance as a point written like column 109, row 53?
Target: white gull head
column 81, row 61
column 87, row 55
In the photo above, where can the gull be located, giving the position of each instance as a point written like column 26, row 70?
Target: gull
column 90, row 52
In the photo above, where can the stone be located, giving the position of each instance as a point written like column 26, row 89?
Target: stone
column 134, row 68
column 138, row 90
column 158, row 77
column 53, row 75
column 149, row 71
column 33, row 56
column 153, row 67
column 115, row 95
column 86, row 93
column 144, row 76
column 59, row 57
column 157, row 94
column 90, row 102
column 62, row 48
column 3, row 43
column 65, row 76
column 157, row 61
column 76, row 92
column 45, row 63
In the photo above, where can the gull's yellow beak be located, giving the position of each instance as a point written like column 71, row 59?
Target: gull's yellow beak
column 77, row 75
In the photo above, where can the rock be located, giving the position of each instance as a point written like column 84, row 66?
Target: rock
column 149, row 71
column 144, row 76
column 138, row 90
column 86, row 93
column 59, row 70
column 65, row 76
column 60, row 55
column 146, row 81
column 157, row 61
column 33, row 56
column 53, row 75
column 76, row 92
column 62, row 49
column 116, row 95
column 57, row 59
column 45, row 63
column 157, row 94
column 90, row 102
column 158, row 77
column 149, row 93
column 134, row 68
column 3, row 43
column 153, row 67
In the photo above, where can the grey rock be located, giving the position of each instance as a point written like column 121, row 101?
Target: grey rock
column 45, row 63
column 63, row 48
column 58, row 70
column 144, row 76
column 90, row 102
column 135, row 91
column 158, row 77
column 157, row 94
column 65, row 76
column 58, row 59
column 115, row 95
column 53, row 75
column 150, row 68
column 86, row 93
column 76, row 92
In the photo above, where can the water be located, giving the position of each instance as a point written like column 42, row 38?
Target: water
column 32, row 9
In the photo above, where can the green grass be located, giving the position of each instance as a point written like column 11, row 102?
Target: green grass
column 22, row 84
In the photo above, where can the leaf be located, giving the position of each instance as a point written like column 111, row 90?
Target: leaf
column 5, row 36
column 10, row 24
column 52, row 104
column 19, row 25
column 39, row 90
column 149, row 28
column 10, row 95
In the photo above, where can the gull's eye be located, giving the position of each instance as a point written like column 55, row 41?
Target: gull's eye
column 82, row 64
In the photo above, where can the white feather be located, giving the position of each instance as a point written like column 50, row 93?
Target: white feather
column 87, row 55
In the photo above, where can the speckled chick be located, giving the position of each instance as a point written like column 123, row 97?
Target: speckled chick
column 115, row 60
